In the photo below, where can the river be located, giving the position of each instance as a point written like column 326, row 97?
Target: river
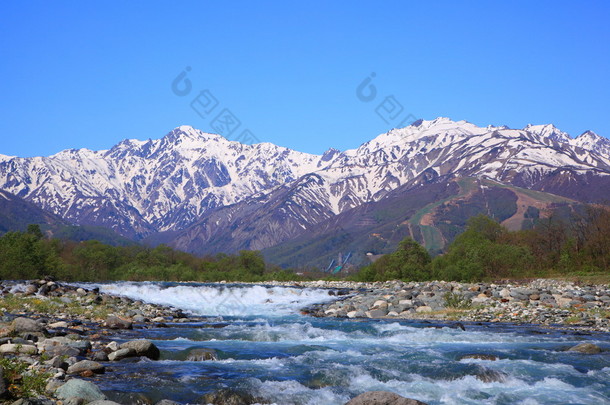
column 267, row 348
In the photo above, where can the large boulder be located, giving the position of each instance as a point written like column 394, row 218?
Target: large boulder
column 21, row 325
column 86, row 365
column 12, row 348
column 143, row 347
column 382, row 398
column 76, row 388
column 586, row 348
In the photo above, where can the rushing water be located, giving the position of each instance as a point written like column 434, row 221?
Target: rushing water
column 268, row 349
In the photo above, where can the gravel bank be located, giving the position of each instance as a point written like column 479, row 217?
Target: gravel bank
column 543, row 302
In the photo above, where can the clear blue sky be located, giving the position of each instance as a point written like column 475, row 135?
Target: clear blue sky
column 89, row 74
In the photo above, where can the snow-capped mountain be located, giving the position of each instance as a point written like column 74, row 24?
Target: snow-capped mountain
column 203, row 181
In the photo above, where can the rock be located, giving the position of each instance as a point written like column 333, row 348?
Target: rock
column 52, row 385
column 122, row 354
column 60, row 324
column 586, row 348
column 86, row 365
column 143, row 347
column 167, row 402
column 74, row 401
column 488, row 375
column 114, row 322
column 382, row 398
column 202, row 355
column 21, row 325
column 33, row 401
column 479, row 356
column 61, row 350
column 380, row 304
column 113, row 346
column 57, row 362
column 30, row 290
column 103, row 402
column 228, row 397
column 376, row 313
column 11, row 348
column 99, row 356
column 80, row 389
column 423, row 308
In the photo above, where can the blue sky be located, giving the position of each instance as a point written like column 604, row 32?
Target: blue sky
column 89, row 74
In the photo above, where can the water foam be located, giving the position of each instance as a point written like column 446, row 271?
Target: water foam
column 220, row 299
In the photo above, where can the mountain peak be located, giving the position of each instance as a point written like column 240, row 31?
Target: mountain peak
column 188, row 132
column 589, row 140
column 548, row 131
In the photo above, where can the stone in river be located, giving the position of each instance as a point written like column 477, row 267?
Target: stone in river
column 143, row 347
column 201, row 355
column 382, row 398
column 586, row 348
column 228, row 397
column 122, row 354
column 479, row 356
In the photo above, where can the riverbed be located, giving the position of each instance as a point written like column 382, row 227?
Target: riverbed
column 263, row 345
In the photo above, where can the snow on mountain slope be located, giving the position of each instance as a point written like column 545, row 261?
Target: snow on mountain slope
column 142, row 187
column 154, row 185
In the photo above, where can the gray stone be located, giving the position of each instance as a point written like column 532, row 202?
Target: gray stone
column 382, row 398
column 11, row 348
column 201, row 355
column 167, row 402
column 80, row 389
column 103, row 402
column 143, row 347
column 228, row 397
column 122, row 354
column 21, row 325
column 99, row 356
column 61, row 350
column 53, row 384
column 586, row 348
column 86, row 365
column 114, row 322
column 478, row 356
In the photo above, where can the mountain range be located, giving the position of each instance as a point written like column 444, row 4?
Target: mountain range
column 204, row 194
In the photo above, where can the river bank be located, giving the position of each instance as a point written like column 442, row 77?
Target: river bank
column 550, row 303
column 68, row 340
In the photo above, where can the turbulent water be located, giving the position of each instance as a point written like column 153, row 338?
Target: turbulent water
column 267, row 348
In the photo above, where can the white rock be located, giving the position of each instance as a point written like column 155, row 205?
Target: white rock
column 380, row 303
column 114, row 346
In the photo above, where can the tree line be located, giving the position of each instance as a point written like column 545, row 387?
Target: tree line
column 574, row 244
column 29, row 255
column 577, row 243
